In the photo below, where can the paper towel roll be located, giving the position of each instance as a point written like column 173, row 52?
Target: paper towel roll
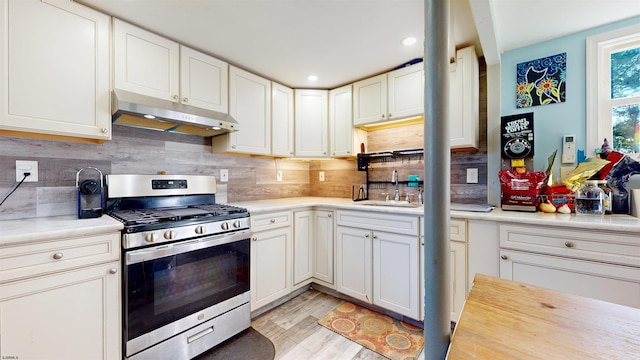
column 635, row 202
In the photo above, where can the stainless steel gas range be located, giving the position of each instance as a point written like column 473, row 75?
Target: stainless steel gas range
column 185, row 264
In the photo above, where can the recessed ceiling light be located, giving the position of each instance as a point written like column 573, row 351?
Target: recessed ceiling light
column 408, row 41
column 149, row 116
column 313, row 77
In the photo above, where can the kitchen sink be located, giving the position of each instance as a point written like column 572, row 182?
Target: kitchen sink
column 389, row 203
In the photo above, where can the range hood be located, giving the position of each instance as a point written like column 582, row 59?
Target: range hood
column 147, row 112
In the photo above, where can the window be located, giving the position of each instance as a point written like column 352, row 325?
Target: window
column 613, row 90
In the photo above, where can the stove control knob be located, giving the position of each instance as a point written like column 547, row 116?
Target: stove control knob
column 151, row 237
column 169, row 234
column 237, row 224
column 200, row 230
column 225, row 226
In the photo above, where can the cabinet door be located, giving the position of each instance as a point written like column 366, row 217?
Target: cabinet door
column 303, row 235
column 370, row 100
column 55, row 70
column 353, row 267
column 464, row 100
column 270, row 266
column 282, row 120
column 395, row 273
column 341, row 121
column 203, row 80
column 145, row 63
column 69, row 315
column 613, row 283
column 312, row 128
column 250, row 105
column 323, row 246
column 406, row 91
column 458, row 277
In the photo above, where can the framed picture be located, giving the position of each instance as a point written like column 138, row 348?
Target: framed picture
column 541, row 81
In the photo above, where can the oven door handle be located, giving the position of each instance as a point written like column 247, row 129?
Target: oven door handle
column 157, row 252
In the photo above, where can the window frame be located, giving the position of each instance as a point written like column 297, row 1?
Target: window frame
column 598, row 72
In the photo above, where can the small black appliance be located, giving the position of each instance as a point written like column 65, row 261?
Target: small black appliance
column 90, row 194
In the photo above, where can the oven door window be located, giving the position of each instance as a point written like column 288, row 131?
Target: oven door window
column 166, row 289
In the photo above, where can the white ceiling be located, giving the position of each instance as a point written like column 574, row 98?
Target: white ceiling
column 342, row 41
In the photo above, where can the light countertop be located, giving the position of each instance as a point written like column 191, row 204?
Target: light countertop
column 616, row 222
column 49, row 228
column 54, row 227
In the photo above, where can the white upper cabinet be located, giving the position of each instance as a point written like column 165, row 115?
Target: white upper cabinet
column 148, row 64
column 312, row 128
column 370, row 100
column 145, row 63
column 250, row 105
column 406, row 91
column 55, row 71
column 341, row 122
column 464, row 102
column 282, row 120
column 204, row 80
column 394, row 95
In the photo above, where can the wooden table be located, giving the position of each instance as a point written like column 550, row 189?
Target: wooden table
column 503, row 319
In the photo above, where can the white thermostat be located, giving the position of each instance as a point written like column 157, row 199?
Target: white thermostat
column 568, row 149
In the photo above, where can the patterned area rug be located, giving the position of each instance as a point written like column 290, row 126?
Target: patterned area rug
column 387, row 336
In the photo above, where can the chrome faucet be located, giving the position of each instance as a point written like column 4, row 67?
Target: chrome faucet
column 395, row 180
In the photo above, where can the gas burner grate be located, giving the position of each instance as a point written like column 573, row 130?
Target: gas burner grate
column 146, row 216
column 221, row 209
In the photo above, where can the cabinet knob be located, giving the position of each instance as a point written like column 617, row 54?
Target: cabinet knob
column 390, row 116
column 254, row 238
column 504, row 257
column 366, row 235
column 328, row 215
column 375, row 236
column 185, row 100
column 233, row 146
column 104, row 130
column 569, row 244
column 272, row 221
column 383, row 116
column 58, row 256
column 175, row 97
column 113, row 271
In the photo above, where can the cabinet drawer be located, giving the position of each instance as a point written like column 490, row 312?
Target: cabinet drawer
column 458, row 230
column 39, row 258
column 399, row 224
column 594, row 245
column 271, row 221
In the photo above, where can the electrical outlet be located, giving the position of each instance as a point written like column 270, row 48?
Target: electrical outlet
column 23, row 166
column 321, row 175
column 279, row 175
column 472, row 176
column 224, row 175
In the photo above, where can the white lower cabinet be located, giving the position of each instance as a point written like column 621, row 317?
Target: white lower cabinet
column 323, row 248
column 61, row 299
column 313, row 247
column 303, row 234
column 353, row 263
column 608, row 282
column 377, row 266
column 395, row 272
column 596, row 264
column 271, row 258
column 457, row 267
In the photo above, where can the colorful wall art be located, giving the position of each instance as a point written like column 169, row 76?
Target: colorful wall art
column 541, row 81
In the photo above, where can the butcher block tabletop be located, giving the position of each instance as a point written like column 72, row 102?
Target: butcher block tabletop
column 503, row 319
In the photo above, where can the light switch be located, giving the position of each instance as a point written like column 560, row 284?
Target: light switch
column 472, row 176
column 321, row 175
column 224, row 175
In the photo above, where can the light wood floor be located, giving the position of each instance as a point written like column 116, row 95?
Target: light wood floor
column 293, row 328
